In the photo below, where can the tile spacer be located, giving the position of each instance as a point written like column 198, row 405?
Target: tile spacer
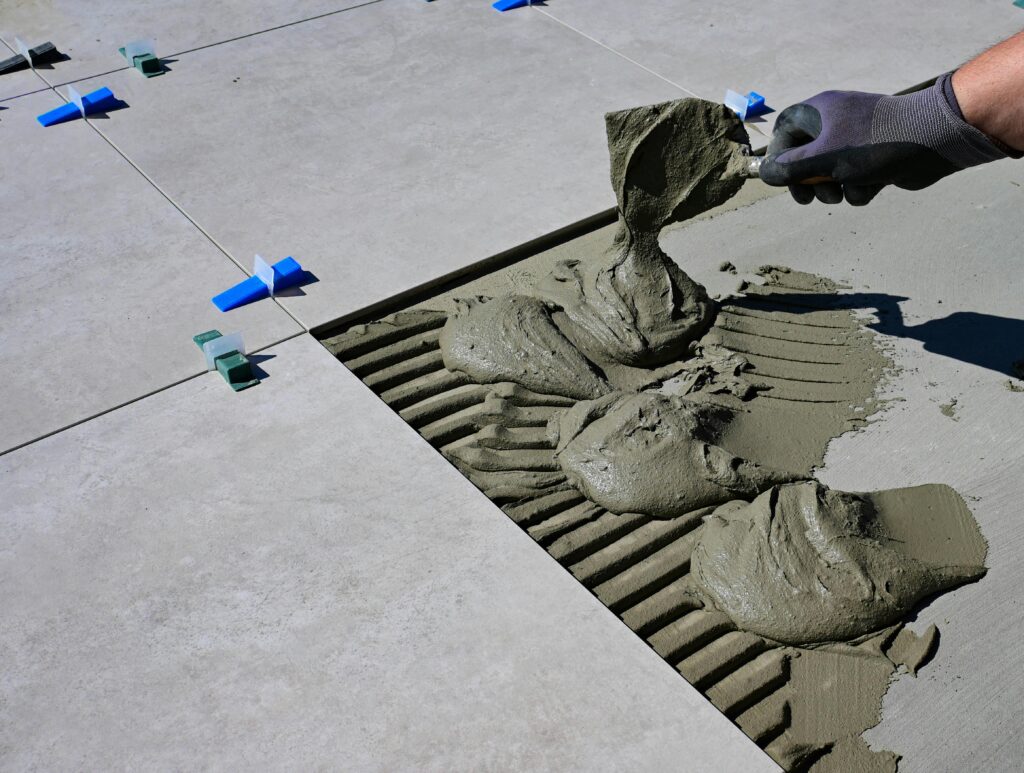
column 79, row 106
column 266, row 281
column 747, row 106
column 44, row 53
column 226, row 355
column 141, row 55
column 508, row 5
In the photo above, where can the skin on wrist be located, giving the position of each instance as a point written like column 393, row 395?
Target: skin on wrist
column 990, row 91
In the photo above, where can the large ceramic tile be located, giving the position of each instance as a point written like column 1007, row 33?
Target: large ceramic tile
column 14, row 84
column 939, row 271
column 90, row 33
column 105, row 282
column 290, row 578
column 792, row 49
column 440, row 134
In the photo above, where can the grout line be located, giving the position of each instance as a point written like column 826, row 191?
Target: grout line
column 617, row 53
column 220, row 42
column 46, row 87
column 189, row 218
column 140, row 397
column 181, row 209
column 750, row 127
column 278, row 27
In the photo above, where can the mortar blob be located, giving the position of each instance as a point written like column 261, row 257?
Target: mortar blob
column 631, row 304
column 803, row 564
column 651, row 454
column 513, row 339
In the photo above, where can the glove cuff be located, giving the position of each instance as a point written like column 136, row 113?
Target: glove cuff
column 946, row 84
column 932, row 117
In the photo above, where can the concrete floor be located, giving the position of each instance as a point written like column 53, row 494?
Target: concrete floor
column 192, row 576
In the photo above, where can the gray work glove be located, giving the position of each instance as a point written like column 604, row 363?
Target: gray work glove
column 852, row 144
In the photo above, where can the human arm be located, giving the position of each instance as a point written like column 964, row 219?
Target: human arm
column 848, row 144
column 990, row 90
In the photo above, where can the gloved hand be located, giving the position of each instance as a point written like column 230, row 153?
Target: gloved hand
column 856, row 143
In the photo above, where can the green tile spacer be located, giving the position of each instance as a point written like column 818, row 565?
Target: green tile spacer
column 140, row 55
column 231, row 364
column 148, row 65
column 236, row 370
column 202, row 338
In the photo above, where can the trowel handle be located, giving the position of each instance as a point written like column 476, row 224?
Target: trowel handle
column 754, row 170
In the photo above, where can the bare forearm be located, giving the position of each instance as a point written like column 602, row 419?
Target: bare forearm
column 990, row 90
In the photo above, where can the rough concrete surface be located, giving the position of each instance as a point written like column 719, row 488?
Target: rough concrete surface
column 289, row 577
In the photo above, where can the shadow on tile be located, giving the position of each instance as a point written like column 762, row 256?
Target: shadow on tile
column 120, row 104
column 307, row 278
column 255, row 360
column 49, row 65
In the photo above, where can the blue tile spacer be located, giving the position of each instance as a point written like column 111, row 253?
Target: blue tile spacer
column 755, row 104
column 745, row 105
column 99, row 100
column 508, row 5
column 287, row 273
column 93, row 102
column 67, row 112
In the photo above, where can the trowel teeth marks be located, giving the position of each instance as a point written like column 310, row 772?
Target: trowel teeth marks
column 723, row 656
column 563, row 522
column 537, row 510
column 648, row 576
column 378, row 359
column 406, row 370
column 435, row 408
column 511, row 438
column 767, row 720
column 360, row 339
column 631, row 549
column 662, row 607
column 682, row 638
column 751, row 683
column 423, row 387
column 487, row 459
column 797, row 340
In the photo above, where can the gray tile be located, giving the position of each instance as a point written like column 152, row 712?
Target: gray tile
column 791, row 49
column 105, row 281
column 91, row 33
column 290, row 578
column 940, row 271
column 439, row 134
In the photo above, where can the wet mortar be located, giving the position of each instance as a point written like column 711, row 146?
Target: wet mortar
column 630, row 424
